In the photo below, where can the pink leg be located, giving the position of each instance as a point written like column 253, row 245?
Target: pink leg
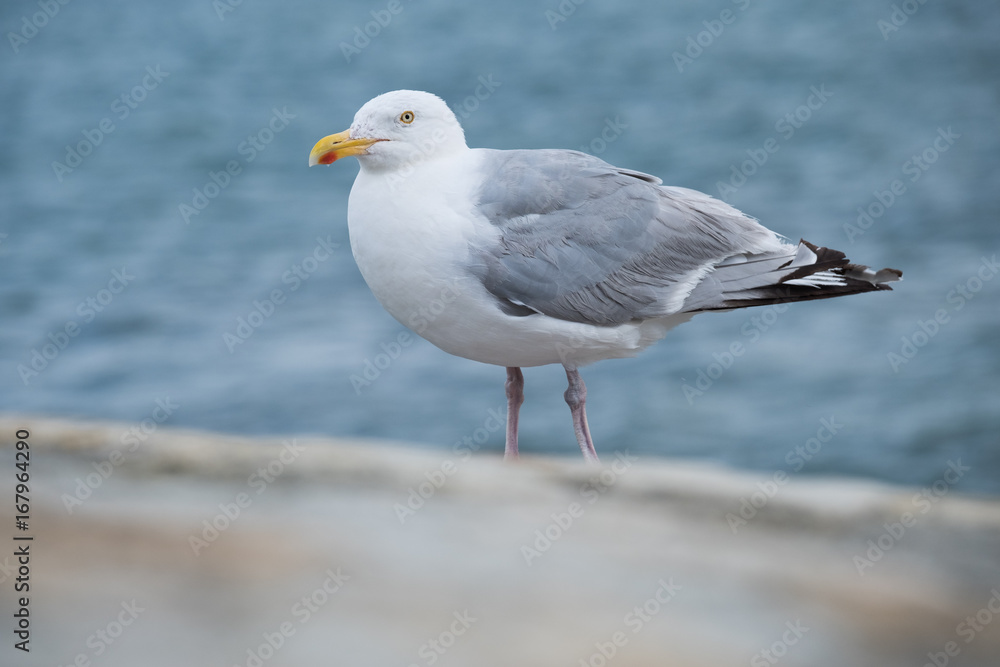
column 515, row 397
column 576, row 398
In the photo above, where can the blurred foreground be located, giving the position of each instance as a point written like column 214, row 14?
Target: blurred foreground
column 203, row 549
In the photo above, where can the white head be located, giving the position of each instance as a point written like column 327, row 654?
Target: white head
column 395, row 130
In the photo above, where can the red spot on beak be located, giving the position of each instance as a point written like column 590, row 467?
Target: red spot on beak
column 328, row 158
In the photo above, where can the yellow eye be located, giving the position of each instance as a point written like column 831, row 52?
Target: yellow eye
column 406, row 117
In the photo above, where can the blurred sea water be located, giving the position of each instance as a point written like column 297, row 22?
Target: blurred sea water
column 155, row 194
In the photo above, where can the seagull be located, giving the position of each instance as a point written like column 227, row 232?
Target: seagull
column 522, row 258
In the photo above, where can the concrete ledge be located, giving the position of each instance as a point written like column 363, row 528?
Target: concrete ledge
column 359, row 552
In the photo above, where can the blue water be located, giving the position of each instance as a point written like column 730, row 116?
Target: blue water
column 278, row 72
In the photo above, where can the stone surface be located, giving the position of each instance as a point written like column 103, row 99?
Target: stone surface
column 546, row 562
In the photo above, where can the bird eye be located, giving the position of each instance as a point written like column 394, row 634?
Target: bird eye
column 406, row 117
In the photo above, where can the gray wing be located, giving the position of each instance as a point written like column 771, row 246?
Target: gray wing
column 583, row 241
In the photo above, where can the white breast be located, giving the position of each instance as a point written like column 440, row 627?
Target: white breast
column 410, row 237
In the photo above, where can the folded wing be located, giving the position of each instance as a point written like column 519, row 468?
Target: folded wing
column 581, row 240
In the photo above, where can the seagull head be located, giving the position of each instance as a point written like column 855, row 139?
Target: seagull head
column 394, row 130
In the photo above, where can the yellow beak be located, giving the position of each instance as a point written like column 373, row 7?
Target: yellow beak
column 330, row 149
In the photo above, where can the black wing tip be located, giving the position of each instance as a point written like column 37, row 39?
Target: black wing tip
column 828, row 258
column 857, row 279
